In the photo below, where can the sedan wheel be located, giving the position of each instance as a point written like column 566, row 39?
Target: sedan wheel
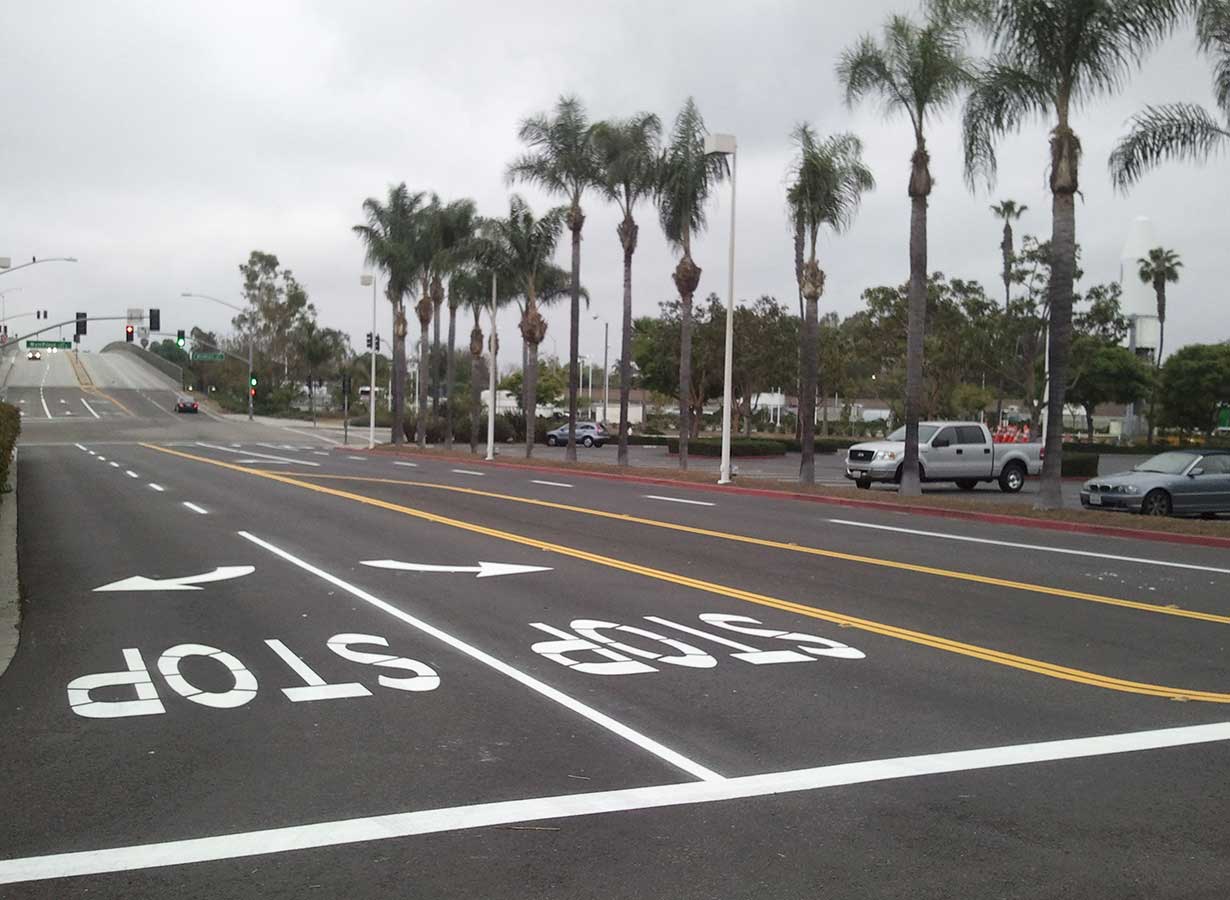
column 587, row 441
column 551, row 440
column 1156, row 503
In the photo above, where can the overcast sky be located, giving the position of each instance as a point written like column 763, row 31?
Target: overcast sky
column 160, row 143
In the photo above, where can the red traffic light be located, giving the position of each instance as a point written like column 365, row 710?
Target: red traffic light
column 127, row 329
column 252, row 392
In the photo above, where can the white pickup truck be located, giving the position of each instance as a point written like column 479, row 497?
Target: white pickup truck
column 947, row 451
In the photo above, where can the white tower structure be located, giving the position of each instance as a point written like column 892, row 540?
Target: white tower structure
column 1139, row 303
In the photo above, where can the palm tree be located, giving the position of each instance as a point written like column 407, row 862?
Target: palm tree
column 918, row 69
column 562, row 161
column 527, row 243
column 627, row 154
column 687, row 175
column 1009, row 211
column 392, row 243
column 1181, row 131
column 1160, row 267
column 1047, row 58
column 829, row 181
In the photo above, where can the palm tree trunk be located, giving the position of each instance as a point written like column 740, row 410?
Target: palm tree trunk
column 1063, row 256
column 807, row 391
column 799, row 240
column 399, row 374
column 1089, row 420
column 312, row 398
column 1157, row 360
column 627, row 234
column 420, row 434
column 530, row 403
column 576, row 220
column 476, row 389
column 435, row 361
column 1006, row 249
column 685, row 377
column 448, row 378
column 916, row 320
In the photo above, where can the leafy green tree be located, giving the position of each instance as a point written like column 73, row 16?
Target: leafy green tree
column 320, row 350
column 687, row 177
column 549, row 386
column 1181, row 131
column 277, row 305
column 1195, row 383
column 627, row 161
column 1047, row 59
column 392, row 243
column 1107, row 373
column 766, row 340
column 828, row 184
column 919, row 70
column 563, row 160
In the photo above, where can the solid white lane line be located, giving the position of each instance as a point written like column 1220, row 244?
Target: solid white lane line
column 156, row 487
column 359, row 458
column 539, row 809
column 131, row 474
column 466, row 472
column 81, row 447
column 299, row 462
column 319, row 453
column 1039, row 547
column 408, row 465
column 679, row 500
column 550, row 483
column 588, row 712
column 43, row 400
column 90, row 408
column 195, row 508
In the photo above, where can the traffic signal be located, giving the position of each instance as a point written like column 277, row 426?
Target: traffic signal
column 128, row 333
column 377, row 343
column 252, row 381
column 155, row 320
column 369, row 340
column 251, row 392
column 81, row 320
column 179, row 338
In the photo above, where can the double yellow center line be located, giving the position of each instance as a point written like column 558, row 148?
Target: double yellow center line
column 998, row 657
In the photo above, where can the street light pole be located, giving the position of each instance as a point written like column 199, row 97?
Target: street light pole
column 494, row 351
column 606, row 365
column 371, row 390
column 725, row 144
column 193, row 296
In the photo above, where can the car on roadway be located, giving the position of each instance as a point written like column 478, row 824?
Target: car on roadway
column 185, row 405
column 33, row 355
column 960, row 452
column 1176, row 482
column 589, row 434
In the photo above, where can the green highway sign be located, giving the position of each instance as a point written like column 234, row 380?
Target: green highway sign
column 201, row 354
column 49, row 345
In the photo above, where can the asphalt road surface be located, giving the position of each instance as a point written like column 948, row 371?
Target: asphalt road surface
column 254, row 664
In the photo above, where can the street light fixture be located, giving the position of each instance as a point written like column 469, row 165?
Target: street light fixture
column 251, row 391
column 725, row 144
column 364, row 281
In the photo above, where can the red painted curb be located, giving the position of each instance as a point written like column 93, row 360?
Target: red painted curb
column 1198, row 540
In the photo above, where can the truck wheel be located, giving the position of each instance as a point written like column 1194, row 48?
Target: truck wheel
column 1156, row 503
column 967, row 484
column 862, row 483
column 1012, row 478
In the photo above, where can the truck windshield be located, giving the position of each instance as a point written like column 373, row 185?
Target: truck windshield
column 925, row 433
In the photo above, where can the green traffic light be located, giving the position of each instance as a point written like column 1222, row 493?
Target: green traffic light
column 252, row 381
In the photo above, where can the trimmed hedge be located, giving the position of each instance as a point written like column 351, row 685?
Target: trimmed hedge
column 10, row 427
column 1086, row 447
column 1079, row 465
column 739, row 447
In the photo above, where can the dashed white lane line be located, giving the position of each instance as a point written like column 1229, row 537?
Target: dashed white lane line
column 195, row 508
column 131, row 474
column 319, row 453
column 43, row 400
column 679, row 500
column 467, row 472
column 539, row 687
column 101, row 458
column 1039, row 547
column 156, row 487
column 408, row 465
column 90, row 409
column 114, row 464
column 359, row 458
column 550, row 483
column 82, row 447
column 299, row 462
column 539, row 809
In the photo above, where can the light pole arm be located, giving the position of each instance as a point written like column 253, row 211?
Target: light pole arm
column 36, row 262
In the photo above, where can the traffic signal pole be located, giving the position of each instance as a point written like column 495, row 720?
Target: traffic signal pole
column 251, row 396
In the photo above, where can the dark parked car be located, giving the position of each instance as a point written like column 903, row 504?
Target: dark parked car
column 185, row 405
column 1177, row 482
column 589, row 434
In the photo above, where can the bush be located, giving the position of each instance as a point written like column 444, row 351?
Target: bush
column 738, row 447
column 823, row 444
column 1079, row 465
column 10, row 427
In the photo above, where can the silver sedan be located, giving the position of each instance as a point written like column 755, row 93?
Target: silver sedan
column 1177, row 482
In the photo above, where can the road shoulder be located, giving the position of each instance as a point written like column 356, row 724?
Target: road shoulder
column 10, row 593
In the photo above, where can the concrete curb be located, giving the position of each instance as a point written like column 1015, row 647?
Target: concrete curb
column 1198, row 540
column 10, row 594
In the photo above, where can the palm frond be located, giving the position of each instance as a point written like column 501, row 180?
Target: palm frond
column 829, row 180
column 1213, row 35
column 1003, row 96
column 627, row 153
column 1174, row 131
column 561, row 157
column 687, row 176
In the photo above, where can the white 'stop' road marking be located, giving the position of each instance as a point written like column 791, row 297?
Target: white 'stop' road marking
column 131, row 474
column 679, row 500
column 156, row 487
column 588, row 712
column 298, row 462
column 466, row 472
column 550, row 483
column 195, row 508
column 408, row 465
column 538, row 809
column 1039, row 547
column 90, row 408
